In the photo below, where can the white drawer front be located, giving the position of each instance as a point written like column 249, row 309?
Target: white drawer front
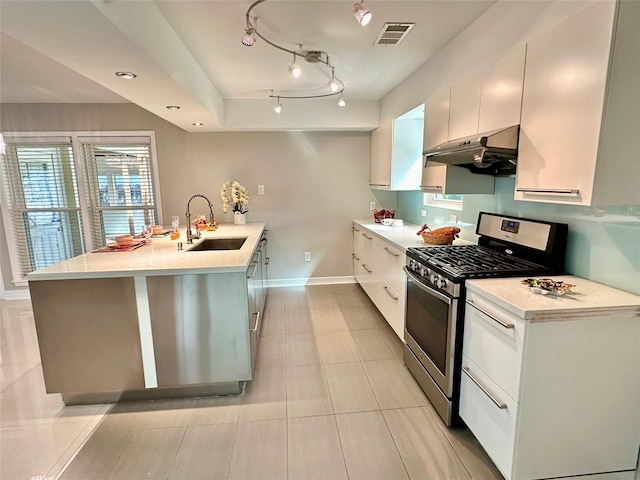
column 366, row 246
column 389, row 261
column 366, row 277
column 494, row 427
column 391, row 302
column 494, row 341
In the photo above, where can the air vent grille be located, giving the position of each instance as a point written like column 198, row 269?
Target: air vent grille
column 393, row 33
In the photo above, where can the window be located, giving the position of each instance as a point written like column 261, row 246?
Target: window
column 64, row 195
column 450, row 201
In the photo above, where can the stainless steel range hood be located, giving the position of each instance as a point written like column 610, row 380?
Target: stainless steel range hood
column 491, row 153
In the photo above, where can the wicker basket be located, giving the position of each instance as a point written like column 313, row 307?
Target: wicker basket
column 437, row 239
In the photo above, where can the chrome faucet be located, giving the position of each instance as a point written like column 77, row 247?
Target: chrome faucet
column 190, row 235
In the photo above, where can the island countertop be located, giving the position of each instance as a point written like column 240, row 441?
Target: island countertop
column 161, row 257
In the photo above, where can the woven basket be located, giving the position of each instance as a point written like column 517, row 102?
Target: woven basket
column 437, row 239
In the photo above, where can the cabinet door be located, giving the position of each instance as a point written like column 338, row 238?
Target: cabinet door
column 380, row 174
column 449, row 179
column 501, row 93
column 436, row 118
column 562, row 106
column 464, row 110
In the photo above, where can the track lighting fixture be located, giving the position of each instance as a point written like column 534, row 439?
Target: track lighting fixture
column 335, row 85
column 363, row 16
column 341, row 102
column 248, row 39
column 278, row 107
column 294, row 68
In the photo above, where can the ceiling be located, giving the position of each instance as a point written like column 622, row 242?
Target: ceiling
column 189, row 53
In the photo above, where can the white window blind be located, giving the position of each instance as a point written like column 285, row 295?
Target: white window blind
column 41, row 196
column 64, row 194
column 119, row 176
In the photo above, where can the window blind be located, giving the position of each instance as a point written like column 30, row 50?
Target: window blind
column 39, row 183
column 120, row 187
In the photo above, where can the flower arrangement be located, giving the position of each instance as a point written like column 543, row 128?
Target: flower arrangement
column 234, row 196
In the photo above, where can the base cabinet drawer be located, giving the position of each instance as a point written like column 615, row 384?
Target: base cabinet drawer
column 490, row 414
column 493, row 340
column 390, row 302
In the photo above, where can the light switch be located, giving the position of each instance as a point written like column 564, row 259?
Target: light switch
column 260, row 189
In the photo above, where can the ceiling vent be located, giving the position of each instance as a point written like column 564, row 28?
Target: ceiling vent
column 393, row 33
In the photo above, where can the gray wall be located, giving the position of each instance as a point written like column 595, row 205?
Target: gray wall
column 315, row 182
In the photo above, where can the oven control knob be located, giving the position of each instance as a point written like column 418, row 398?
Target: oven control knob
column 434, row 279
column 424, row 271
column 442, row 282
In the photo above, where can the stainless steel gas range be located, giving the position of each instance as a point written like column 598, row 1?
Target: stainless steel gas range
column 507, row 246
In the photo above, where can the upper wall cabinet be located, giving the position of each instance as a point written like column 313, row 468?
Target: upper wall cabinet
column 464, row 110
column 436, row 118
column 501, row 91
column 448, row 179
column 581, row 110
column 396, row 155
column 486, row 100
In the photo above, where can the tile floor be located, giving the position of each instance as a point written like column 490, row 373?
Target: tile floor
column 38, row 434
column 331, row 399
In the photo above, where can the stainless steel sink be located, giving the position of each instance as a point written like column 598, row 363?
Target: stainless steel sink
column 234, row 243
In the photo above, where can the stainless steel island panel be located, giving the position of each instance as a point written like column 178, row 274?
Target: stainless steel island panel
column 88, row 334
column 200, row 328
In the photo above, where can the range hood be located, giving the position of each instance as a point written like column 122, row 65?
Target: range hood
column 491, row 153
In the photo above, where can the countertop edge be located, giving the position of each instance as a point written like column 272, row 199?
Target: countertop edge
column 564, row 312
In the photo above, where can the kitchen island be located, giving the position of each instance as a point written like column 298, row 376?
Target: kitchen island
column 153, row 322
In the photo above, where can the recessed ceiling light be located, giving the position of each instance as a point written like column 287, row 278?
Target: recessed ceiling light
column 173, row 107
column 198, row 124
column 126, row 75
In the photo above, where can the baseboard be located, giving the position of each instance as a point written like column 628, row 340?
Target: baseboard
column 297, row 282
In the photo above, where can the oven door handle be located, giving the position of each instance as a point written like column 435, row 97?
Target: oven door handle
column 426, row 289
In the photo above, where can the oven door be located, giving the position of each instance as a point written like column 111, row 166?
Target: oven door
column 430, row 330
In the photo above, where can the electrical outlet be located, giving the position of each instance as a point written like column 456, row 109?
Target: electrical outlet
column 372, row 206
column 307, row 256
column 260, row 189
column 453, row 218
column 423, row 213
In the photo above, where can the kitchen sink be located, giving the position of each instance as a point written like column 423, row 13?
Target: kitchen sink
column 234, row 243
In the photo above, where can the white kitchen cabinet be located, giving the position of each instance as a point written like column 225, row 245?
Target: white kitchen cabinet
column 396, row 153
column 378, row 269
column 581, row 110
column 436, row 118
column 449, row 179
column 549, row 386
column 380, row 173
column 501, row 93
column 464, row 110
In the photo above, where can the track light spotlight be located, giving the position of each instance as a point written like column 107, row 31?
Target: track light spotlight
column 363, row 16
column 341, row 102
column 278, row 107
column 249, row 38
column 294, row 68
column 333, row 85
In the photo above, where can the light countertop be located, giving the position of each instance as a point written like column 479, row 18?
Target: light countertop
column 586, row 299
column 161, row 257
column 402, row 237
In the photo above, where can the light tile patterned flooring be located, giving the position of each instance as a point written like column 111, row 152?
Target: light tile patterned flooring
column 331, row 399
